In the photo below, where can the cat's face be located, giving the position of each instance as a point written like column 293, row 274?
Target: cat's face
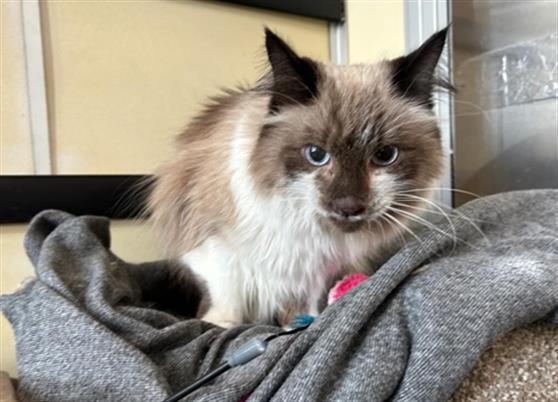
column 354, row 145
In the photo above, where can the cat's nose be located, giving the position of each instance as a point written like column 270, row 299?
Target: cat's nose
column 349, row 206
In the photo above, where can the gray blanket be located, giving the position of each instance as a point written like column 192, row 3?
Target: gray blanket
column 91, row 326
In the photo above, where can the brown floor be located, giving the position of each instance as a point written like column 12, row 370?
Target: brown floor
column 521, row 366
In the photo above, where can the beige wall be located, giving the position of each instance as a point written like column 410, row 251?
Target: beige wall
column 125, row 77
column 14, row 267
column 375, row 29
column 15, row 137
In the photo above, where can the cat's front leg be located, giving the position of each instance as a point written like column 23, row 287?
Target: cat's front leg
column 222, row 316
column 210, row 262
column 224, row 307
column 312, row 306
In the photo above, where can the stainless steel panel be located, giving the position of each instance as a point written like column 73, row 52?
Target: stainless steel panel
column 505, row 58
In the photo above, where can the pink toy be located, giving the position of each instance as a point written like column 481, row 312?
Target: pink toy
column 344, row 285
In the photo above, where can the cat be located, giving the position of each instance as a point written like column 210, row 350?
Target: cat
column 278, row 189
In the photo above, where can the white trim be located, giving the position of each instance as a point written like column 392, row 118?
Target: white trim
column 36, row 90
column 338, row 43
column 422, row 19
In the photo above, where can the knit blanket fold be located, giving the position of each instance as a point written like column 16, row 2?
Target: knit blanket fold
column 93, row 327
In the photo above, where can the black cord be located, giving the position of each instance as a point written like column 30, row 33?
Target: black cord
column 287, row 332
column 199, row 383
column 244, row 354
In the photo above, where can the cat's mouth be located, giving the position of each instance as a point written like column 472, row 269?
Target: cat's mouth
column 348, row 223
column 343, row 218
column 353, row 223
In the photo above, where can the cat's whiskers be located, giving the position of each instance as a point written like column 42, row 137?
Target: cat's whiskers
column 425, row 211
column 381, row 225
column 455, row 190
column 446, row 216
column 480, row 110
column 455, row 211
column 394, row 228
column 439, row 211
column 428, row 202
column 403, row 226
column 421, row 221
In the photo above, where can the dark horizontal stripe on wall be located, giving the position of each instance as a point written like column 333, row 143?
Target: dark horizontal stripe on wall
column 329, row 10
column 114, row 196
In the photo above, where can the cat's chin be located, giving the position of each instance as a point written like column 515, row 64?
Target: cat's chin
column 348, row 225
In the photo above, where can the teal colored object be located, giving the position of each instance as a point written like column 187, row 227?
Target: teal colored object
column 301, row 321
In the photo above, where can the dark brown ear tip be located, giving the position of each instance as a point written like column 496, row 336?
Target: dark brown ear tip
column 441, row 35
column 414, row 75
column 271, row 38
column 438, row 39
column 268, row 32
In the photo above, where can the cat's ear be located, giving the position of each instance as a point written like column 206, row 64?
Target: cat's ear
column 295, row 79
column 414, row 74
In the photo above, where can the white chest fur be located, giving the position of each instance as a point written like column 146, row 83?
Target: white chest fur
column 259, row 268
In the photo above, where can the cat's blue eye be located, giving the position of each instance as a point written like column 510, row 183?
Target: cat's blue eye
column 316, row 156
column 385, row 156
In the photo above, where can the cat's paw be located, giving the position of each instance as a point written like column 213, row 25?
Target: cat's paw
column 221, row 318
column 222, row 323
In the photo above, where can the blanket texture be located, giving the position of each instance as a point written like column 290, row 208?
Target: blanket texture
column 91, row 328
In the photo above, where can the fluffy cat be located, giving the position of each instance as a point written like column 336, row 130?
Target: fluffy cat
column 278, row 190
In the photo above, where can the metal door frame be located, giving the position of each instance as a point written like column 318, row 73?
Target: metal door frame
column 422, row 19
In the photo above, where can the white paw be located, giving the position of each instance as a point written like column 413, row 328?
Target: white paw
column 221, row 318
column 222, row 323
